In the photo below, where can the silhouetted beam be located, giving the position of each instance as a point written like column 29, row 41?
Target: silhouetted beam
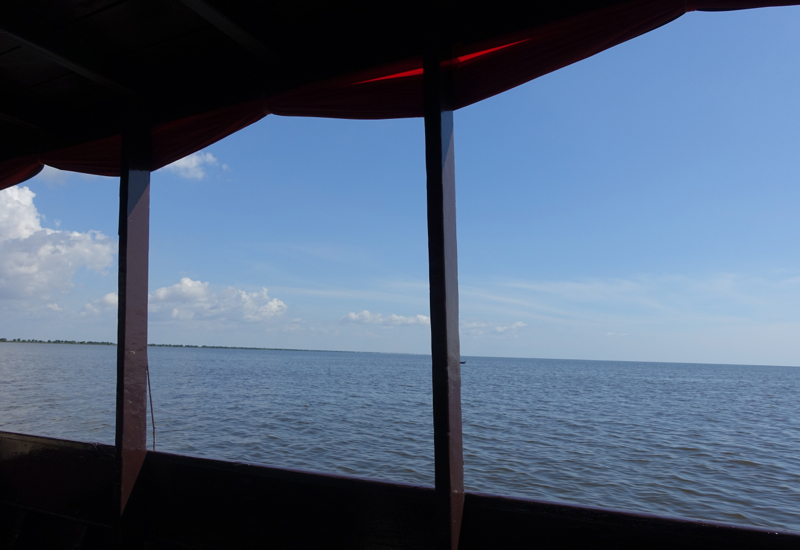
column 69, row 64
column 229, row 28
column 443, row 275
column 20, row 123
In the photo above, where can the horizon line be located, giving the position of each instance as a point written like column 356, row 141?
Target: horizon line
column 194, row 346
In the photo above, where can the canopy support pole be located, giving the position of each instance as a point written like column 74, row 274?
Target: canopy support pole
column 443, row 275
column 134, row 244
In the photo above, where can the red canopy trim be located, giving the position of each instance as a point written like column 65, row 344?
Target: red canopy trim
column 415, row 72
column 467, row 57
column 394, row 90
column 482, row 70
column 494, row 66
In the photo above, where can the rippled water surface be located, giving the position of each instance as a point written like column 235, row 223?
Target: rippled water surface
column 702, row 441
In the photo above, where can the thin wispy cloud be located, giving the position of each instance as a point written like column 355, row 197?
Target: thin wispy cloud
column 716, row 296
column 471, row 327
column 355, row 294
column 107, row 303
column 722, row 317
column 52, row 175
column 367, row 318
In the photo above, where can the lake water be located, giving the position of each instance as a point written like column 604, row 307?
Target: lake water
column 714, row 442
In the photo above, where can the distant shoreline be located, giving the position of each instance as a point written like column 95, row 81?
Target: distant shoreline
column 92, row 343
column 83, row 343
column 189, row 346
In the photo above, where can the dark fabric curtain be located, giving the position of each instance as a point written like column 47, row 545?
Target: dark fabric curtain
column 394, row 90
column 16, row 171
column 171, row 141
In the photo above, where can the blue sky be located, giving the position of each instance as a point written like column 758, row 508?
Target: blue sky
column 638, row 205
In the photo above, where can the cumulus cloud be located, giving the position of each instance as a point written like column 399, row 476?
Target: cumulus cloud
column 191, row 299
column 19, row 218
column 110, row 300
column 367, row 318
column 193, row 166
column 35, row 260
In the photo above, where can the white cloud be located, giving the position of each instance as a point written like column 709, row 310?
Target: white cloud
column 110, row 300
column 367, row 318
column 196, row 300
column 52, row 175
column 35, row 260
column 190, row 300
column 193, row 166
column 19, row 218
column 512, row 326
column 96, row 307
column 477, row 328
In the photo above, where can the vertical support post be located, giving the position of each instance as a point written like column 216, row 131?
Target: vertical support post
column 134, row 245
column 443, row 274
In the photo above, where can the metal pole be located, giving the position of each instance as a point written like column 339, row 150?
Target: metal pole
column 134, row 243
column 443, row 273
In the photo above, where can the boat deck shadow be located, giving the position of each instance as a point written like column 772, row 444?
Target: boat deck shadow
column 60, row 494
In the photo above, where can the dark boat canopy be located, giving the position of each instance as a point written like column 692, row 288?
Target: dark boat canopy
column 74, row 73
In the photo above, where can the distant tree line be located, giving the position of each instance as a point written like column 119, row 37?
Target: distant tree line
column 91, row 343
column 82, row 342
column 224, row 347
